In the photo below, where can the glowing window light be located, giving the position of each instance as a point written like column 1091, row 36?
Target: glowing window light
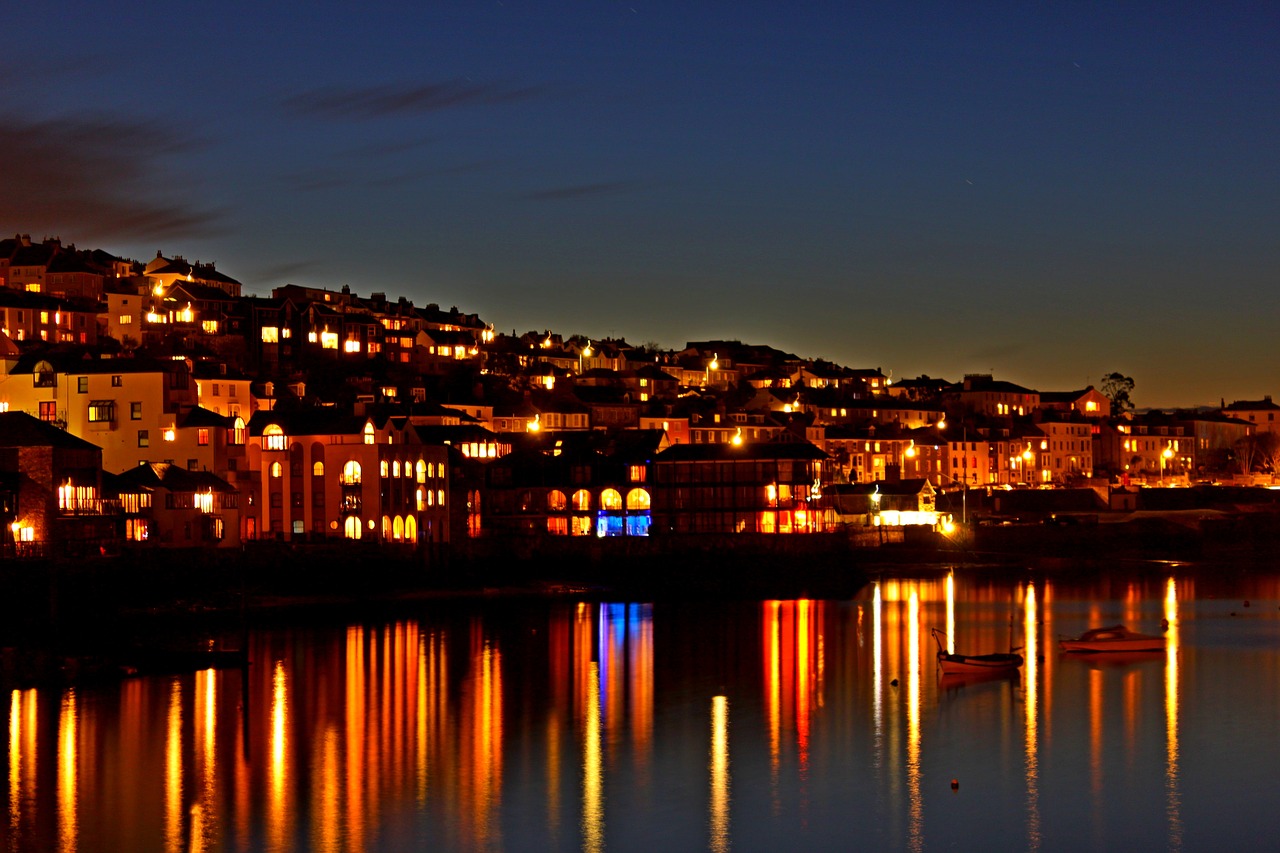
column 170, row 434
column 352, row 346
column 329, row 340
column 273, row 437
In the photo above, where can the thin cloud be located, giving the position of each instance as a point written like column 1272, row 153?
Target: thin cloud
column 581, row 191
column 284, row 271
column 375, row 102
column 97, row 177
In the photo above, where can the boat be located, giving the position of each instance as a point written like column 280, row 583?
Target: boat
column 952, row 663
column 1113, row 638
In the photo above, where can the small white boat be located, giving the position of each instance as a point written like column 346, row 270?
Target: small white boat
column 1114, row 638
column 956, row 664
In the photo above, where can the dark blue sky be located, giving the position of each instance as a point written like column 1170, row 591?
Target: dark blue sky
column 1047, row 191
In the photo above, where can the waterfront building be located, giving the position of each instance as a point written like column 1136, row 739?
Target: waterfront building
column 748, row 487
column 170, row 507
column 51, row 483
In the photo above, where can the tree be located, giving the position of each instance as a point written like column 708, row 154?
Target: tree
column 1246, row 449
column 1267, row 446
column 1116, row 387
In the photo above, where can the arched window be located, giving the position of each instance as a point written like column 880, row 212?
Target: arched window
column 276, row 470
column 410, row 529
column 582, row 500
column 368, row 433
column 384, row 468
column 351, row 474
column 637, row 499
column 352, row 528
column 317, row 469
column 386, row 527
column 610, row 499
column 556, row 501
column 237, row 431
column 397, row 529
column 422, row 471
column 273, row 437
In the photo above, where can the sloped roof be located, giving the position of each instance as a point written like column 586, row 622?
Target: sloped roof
column 152, row 475
column 18, row 429
column 802, row 450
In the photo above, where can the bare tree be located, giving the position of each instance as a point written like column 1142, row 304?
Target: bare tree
column 1246, row 449
column 1267, row 447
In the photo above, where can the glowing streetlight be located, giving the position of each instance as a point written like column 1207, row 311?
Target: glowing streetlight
column 1165, row 456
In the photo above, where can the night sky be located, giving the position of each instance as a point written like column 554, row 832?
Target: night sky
column 1048, row 191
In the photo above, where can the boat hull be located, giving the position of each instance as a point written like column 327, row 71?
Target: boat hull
column 1116, row 638
column 952, row 664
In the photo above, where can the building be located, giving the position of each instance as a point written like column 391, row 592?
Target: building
column 52, row 483
column 773, row 488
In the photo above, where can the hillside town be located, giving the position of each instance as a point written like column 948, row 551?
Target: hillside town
column 152, row 404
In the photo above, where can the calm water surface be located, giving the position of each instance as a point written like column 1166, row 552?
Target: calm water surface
column 630, row 726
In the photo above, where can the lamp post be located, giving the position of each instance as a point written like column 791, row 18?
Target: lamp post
column 1165, row 456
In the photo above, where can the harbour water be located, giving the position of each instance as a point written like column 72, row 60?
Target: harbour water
column 566, row 725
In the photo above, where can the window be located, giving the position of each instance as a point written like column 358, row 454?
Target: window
column 273, row 437
column 135, row 411
column 317, row 469
column 368, row 434
column 48, row 411
column 102, row 411
column 202, row 436
column 237, row 431
column 271, row 334
column 117, row 381
column 144, row 439
column 82, row 385
column 351, row 473
column 193, row 465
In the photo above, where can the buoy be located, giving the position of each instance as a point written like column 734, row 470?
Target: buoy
column 955, row 784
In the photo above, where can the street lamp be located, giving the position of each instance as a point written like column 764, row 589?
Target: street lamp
column 586, row 353
column 1165, row 456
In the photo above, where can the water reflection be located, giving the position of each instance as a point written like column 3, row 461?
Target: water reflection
column 1171, row 714
column 719, row 764
column 608, row 726
column 1031, row 701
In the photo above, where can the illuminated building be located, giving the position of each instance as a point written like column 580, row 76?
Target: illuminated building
column 745, row 488
column 55, row 503
column 167, row 506
column 321, row 473
column 573, row 484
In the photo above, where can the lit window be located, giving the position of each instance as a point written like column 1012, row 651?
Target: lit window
column 102, row 411
column 238, row 432
column 351, row 473
column 126, row 320
column 135, row 411
column 144, row 438
column 317, row 470
column 202, row 437
column 209, row 327
column 273, row 437
column 351, row 346
column 271, row 334
column 170, row 434
column 276, row 470
column 329, row 340
column 383, row 468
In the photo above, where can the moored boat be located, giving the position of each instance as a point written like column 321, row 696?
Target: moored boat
column 1113, row 638
column 952, row 663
